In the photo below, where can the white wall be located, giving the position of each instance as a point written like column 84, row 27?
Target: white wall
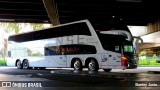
column 138, row 30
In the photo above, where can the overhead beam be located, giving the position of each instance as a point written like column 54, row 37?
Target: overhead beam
column 21, row 1
column 52, row 11
column 25, row 20
column 154, row 27
column 148, row 45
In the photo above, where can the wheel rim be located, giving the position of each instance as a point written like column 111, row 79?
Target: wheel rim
column 92, row 65
column 77, row 65
column 25, row 64
column 18, row 64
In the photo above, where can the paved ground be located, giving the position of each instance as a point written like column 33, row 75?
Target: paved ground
column 67, row 79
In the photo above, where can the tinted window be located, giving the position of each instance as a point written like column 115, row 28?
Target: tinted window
column 110, row 23
column 128, row 48
column 53, row 50
column 67, row 30
column 112, row 42
column 69, row 50
column 9, row 53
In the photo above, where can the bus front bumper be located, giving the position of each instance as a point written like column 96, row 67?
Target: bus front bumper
column 132, row 64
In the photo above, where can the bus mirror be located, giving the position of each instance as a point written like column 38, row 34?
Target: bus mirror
column 138, row 39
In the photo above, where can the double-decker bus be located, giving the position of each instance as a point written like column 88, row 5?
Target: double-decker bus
column 72, row 45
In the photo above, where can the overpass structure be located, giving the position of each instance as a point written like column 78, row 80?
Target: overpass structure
column 133, row 12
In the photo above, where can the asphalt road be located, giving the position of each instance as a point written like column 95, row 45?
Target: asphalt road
column 68, row 79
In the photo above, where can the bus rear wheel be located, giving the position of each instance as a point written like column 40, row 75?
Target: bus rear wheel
column 19, row 64
column 26, row 64
column 77, row 65
column 93, row 65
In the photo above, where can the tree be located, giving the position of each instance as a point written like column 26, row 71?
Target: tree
column 16, row 28
column 11, row 27
column 36, row 26
column 29, row 52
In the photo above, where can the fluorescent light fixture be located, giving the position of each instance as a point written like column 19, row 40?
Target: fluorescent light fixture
column 46, row 21
column 6, row 19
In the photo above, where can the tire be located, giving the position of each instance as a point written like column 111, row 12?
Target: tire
column 93, row 65
column 77, row 65
column 107, row 70
column 19, row 64
column 26, row 64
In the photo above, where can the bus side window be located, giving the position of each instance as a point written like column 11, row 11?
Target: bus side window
column 9, row 53
column 116, row 48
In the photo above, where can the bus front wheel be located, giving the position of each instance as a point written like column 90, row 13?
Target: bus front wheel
column 93, row 65
column 77, row 65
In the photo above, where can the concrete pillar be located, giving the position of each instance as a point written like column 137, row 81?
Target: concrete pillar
column 52, row 11
column 148, row 45
column 153, row 27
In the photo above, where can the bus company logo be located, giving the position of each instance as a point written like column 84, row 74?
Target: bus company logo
column 104, row 58
column 6, row 84
column 114, row 58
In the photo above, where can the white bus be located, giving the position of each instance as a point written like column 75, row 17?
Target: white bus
column 73, row 45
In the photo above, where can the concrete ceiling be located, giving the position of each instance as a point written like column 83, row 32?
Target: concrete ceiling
column 133, row 12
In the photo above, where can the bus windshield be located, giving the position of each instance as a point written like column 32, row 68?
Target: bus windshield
column 115, row 43
column 112, row 42
column 128, row 48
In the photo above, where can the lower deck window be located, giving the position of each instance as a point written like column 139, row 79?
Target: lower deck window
column 70, row 50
